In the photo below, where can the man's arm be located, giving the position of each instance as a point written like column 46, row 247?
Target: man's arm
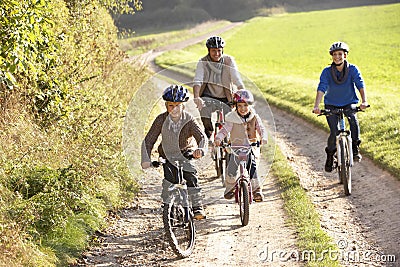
column 235, row 75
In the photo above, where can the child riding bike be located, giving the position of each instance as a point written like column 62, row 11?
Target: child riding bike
column 178, row 129
column 243, row 124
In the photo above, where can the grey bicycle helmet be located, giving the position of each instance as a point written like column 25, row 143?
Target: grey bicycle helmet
column 175, row 93
column 339, row 46
column 215, row 42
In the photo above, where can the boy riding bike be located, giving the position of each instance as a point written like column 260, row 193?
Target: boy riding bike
column 338, row 84
column 243, row 124
column 178, row 129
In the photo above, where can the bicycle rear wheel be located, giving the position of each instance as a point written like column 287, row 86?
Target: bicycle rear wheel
column 243, row 201
column 180, row 231
column 344, row 168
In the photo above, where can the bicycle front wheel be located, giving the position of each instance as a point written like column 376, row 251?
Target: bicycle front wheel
column 179, row 229
column 344, row 168
column 243, row 201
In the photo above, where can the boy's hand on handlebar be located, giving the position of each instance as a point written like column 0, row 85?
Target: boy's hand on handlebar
column 198, row 153
column 146, row 165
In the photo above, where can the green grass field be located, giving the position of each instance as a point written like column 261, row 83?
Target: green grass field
column 284, row 55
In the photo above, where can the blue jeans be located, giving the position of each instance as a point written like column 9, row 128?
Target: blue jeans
column 334, row 127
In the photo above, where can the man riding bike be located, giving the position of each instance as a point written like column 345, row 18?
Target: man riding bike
column 215, row 76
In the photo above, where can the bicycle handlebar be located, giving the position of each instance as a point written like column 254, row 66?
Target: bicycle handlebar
column 188, row 154
column 209, row 100
column 336, row 111
column 224, row 145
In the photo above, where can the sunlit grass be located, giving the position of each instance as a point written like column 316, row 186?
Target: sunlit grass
column 139, row 44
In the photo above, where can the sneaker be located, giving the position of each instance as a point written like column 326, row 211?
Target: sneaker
column 357, row 157
column 258, row 196
column 199, row 213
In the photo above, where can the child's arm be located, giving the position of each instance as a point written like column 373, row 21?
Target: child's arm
column 201, row 139
column 150, row 140
column 227, row 128
column 262, row 131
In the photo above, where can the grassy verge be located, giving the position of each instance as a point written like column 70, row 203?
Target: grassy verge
column 303, row 215
column 139, row 44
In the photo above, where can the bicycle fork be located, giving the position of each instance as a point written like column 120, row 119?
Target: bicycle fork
column 338, row 148
column 244, row 176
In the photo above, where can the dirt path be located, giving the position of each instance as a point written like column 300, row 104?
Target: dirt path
column 365, row 225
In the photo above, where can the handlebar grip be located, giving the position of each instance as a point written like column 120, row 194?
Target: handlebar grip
column 188, row 154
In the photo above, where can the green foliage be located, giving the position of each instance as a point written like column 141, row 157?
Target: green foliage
column 62, row 110
column 302, row 214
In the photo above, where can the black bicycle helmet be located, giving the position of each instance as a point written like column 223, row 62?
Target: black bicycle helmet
column 339, row 46
column 215, row 42
column 175, row 93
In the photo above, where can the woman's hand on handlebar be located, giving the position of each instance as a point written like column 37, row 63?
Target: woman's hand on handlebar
column 316, row 110
column 364, row 105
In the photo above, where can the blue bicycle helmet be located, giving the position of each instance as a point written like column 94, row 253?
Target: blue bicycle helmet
column 215, row 42
column 339, row 46
column 175, row 93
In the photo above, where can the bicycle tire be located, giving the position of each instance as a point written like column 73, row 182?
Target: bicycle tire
column 181, row 235
column 344, row 169
column 244, row 204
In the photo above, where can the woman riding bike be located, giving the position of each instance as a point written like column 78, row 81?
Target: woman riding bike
column 338, row 84
column 215, row 76
column 177, row 128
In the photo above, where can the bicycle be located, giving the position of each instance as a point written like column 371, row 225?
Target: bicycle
column 243, row 190
column 343, row 158
column 178, row 218
column 220, row 156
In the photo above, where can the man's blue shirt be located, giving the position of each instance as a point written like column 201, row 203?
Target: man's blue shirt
column 341, row 94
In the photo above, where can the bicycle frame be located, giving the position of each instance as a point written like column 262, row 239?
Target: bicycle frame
column 178, row 193
column 344, row 159
column 242, row 154
column 343, row 133
column 178, row 218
